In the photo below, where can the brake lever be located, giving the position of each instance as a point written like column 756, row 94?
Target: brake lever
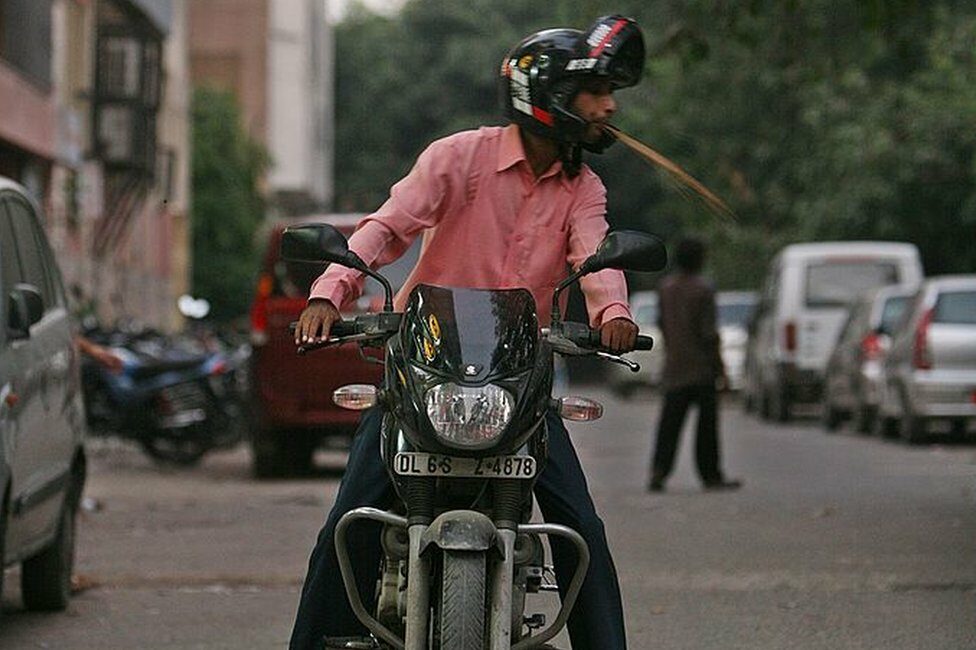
column 339, row 340
column 615, row 358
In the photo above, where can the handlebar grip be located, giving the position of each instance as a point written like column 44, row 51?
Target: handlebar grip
column 343, row 328
column 644, row 342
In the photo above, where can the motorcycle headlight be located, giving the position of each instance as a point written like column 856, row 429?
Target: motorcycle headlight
column 469, row 417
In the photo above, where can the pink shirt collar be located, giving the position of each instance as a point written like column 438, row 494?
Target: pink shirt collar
column 511, row 152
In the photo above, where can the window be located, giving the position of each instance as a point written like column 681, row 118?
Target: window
column 32, row 253
column 893, row 313
column 836, row 283
column 736, row 314
column 9, row 266
column 956, row 307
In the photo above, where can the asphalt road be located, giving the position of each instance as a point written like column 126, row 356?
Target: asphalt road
column 836, row 541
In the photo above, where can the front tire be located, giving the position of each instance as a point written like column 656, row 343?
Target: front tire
column 461, row 619
column 45, row 579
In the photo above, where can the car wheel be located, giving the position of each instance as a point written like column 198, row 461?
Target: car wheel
column 864, row 419
column 279, row 454
column 765, row 412
column 3, row 537
column 749, row 401
column 886, row 427
column 780, row 405
column 45, row 578
column 913, row 429
column 830, row 417
column 267, row 459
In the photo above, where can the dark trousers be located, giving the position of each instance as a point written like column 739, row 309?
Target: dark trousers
column 597, row 621
column 676, row 404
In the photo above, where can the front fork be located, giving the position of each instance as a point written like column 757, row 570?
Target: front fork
column 418, row 582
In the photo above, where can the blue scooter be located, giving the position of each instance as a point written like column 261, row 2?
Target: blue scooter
column 178, row 400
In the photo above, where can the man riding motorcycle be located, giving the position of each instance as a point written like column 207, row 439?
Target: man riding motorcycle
column 498, row 207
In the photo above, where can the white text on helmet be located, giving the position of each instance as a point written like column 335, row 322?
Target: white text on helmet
column 598, row 35
column 580, row 64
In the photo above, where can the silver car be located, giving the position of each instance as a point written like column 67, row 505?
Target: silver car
column 930, row 371
column 42, row 461
column 643, row 307
column 734, row 309
column 852, row 380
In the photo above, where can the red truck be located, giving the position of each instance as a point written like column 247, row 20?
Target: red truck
column 291, row 408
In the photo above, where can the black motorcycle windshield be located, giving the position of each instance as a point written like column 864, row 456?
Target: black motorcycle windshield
column 471, row 334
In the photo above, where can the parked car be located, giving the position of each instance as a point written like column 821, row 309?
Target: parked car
column 930, row 371
column 643, row 307
column 802, row 308
column 733, row 311
column 291, row 411
column 852, row 382
column 42, row 458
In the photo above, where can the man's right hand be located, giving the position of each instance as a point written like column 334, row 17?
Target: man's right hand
column 316, row 321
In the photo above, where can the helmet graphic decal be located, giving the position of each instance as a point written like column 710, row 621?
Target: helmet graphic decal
column 602, row 35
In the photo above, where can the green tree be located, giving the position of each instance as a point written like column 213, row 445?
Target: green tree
column 227, row 205
column 814, row 119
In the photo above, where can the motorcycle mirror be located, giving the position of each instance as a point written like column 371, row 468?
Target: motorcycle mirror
column 317, row 243
column 628, row 250
column 321, row 242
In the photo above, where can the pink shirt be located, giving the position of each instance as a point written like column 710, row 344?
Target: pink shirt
column 487, row 223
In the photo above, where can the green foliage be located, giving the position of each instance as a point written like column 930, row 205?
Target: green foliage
column 814, row 119
column 227, row 206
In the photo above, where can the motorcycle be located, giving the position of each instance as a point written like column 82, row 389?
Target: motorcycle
column 179, row 398
column 468, row 377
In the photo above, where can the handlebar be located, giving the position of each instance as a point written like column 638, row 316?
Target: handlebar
column 589, row 340
column 366, row 329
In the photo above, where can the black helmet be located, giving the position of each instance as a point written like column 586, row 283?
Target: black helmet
column 542, row 74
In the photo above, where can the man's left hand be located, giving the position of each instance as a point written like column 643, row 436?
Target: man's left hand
column 619, row 335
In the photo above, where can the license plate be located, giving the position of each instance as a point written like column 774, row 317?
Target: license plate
column 421, row 464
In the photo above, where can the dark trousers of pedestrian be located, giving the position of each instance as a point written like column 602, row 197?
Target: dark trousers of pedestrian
column 596, row 622
column 677, row 401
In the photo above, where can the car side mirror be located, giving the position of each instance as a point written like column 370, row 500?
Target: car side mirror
column 320, row 242
column 26, row 307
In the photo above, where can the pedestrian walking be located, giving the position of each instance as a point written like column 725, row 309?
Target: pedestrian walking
column 693, row 369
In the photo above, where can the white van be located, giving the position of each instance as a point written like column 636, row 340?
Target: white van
column 804, row 301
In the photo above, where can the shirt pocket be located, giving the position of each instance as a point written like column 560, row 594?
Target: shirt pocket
column 546, row 258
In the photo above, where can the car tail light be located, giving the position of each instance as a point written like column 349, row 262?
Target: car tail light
column 259, row 310
column 871, row 348
column 921, row 355
column 789, row 336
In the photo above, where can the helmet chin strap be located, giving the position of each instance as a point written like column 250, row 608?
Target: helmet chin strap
column 571, row 155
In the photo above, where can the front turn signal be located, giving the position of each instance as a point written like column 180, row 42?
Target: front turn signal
column 580, row 409
column 355, row 397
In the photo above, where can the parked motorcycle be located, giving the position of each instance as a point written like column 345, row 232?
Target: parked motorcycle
column 467, row 386
column 178, row 397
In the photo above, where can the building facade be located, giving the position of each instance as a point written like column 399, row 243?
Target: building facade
column 95, row 124
column 276, row 57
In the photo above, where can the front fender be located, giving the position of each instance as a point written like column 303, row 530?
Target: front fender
column 461, row 530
